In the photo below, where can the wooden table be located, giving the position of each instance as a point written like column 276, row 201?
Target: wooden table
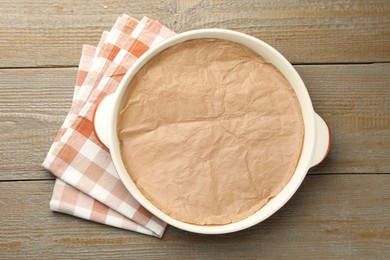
column 340, row 48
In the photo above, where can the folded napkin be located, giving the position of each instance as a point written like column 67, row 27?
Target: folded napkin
column 87, row 184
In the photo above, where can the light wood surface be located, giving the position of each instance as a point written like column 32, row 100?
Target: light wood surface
column 340, row 48
column 39, row 33
column 330, row 216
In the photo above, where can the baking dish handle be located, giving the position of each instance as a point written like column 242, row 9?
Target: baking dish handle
column 100, row 120
column 322, row 141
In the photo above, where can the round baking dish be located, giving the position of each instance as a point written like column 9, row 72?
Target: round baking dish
column 316, row 142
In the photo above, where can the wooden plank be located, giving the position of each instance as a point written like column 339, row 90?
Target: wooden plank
column 33, row 105
column 331, row 216
column 353, row 99
column 46, row 33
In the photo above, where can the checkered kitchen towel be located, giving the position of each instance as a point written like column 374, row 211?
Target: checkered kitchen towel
column 88, row 186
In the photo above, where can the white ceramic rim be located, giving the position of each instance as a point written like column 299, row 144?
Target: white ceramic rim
column 307, row 158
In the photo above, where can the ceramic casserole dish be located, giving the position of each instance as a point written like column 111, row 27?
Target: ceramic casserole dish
column 315, row 147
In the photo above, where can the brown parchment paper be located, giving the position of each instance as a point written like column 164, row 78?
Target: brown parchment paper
column 209, row 131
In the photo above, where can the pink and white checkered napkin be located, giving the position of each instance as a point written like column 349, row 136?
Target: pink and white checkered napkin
column 87, row 184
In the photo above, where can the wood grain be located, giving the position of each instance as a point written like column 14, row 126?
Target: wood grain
column 331, row 216
column 33, row 105
column 50, row 33
column 353, row 99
